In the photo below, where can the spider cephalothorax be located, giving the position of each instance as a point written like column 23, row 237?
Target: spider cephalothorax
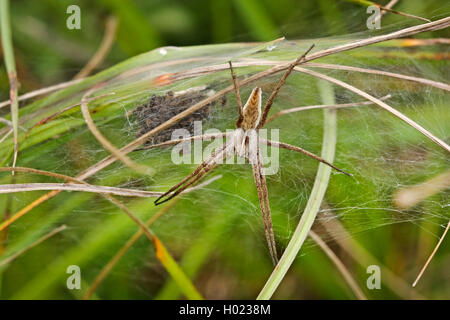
column 247, row 122
column 251, row 113
column 244, row 142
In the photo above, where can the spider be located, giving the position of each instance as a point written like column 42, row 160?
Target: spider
column 244, row 143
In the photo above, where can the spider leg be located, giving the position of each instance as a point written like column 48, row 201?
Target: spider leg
column 279, row 85
column 238, row 95
column 205, row 167
column 301, row 150
column 176, row 141
column 263, row 195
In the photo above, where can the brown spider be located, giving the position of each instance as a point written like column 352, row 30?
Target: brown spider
column 244, row 142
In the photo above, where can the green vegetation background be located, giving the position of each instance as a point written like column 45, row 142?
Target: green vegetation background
column 222, row 249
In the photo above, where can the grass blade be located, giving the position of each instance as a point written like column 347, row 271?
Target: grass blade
column 257, row 20
column 175, row 271
column 315, row 198
column 10, row 63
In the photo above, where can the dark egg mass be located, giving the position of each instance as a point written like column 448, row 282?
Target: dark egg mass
column 161, row 108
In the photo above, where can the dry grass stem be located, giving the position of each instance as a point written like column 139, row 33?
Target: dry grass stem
column 432, row 255
column 102, row 51
column 410, row 196
column 42, row 91
column 364, row 258
column 324, row 106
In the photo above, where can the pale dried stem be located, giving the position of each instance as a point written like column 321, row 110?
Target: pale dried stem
column 76, row 185
column 436, row 84
column 42, row 91
column 102, row 51
column 432, row 255
column 365, row 258
column 24, row 187
column 6, row 135
column 324, row 106
column 389, row 6
column 410, row 196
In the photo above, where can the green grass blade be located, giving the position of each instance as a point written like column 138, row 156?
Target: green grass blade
column 198, row 253
column 315, row 199
column 176, row 272
column 8, row 54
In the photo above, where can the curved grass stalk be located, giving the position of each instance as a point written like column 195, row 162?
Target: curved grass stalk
column 103, row 49
column 246, row 62
column 315, row 198
column 53, row 193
